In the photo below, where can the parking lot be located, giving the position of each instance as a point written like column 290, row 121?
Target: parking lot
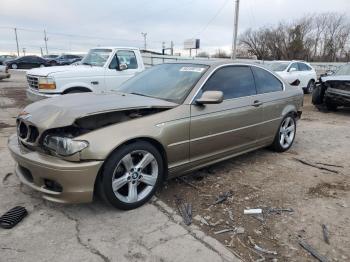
column 312, row 179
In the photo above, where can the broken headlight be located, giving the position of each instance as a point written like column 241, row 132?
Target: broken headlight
column 64, row 146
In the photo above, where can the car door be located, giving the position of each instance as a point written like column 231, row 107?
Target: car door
column 293, row 73
column 272, row 95
column 218, row 130
column 25, row 63
column 114, row 77
column 305, row 73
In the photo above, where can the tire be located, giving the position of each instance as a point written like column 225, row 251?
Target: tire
column 287, row 128
column 318, row 95
column 126, row 183
column 41, row 65
column 14, row 66
column 310, row 87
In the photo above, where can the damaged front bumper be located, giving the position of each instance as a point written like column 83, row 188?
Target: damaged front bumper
column 58, row 180
column 338, row 97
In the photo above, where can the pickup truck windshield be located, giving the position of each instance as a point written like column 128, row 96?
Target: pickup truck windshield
column 96, row 57
column 171, row 82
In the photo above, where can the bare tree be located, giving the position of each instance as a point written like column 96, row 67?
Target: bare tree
column 312, row 37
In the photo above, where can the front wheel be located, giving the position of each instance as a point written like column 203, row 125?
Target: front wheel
column 131, row 175
column 286, row 133
column 14, row 66
column 310, row 87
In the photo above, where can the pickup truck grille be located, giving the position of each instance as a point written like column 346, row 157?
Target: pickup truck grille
column 33, row 81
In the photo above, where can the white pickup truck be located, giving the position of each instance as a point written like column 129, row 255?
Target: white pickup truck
column 102, row 69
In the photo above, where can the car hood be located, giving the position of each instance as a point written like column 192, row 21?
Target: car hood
column 64, row 110
column 336, row 78
column 67, row 71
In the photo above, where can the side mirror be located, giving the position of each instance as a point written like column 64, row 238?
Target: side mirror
column 293, row 69
column 122, row 67
column 210, row 97
column 295, row 82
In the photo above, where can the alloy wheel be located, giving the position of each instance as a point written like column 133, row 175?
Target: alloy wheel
column 135, row 176
column 287, row 132
column 14, row 66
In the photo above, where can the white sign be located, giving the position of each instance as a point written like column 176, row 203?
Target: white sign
column 191, row 44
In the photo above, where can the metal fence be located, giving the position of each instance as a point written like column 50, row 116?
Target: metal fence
column 151, row 60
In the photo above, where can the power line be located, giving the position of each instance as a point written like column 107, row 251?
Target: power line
column 212, row 19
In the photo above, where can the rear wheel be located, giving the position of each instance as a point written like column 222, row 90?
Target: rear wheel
column 131, row 175
column 42, row 65
column 285, row 135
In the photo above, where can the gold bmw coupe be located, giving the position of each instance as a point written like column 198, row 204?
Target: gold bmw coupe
column 169, row 120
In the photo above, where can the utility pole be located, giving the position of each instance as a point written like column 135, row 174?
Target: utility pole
column 235, row 31
column 41, row 51
column 24, row 51
column 17, row 41
column 46, row 39
column 172, row 48
column 145, row 40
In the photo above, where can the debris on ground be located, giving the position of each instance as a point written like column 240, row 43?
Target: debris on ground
column 332, row 165
column 6, row 177
column 316, row 166
column 12, row 217
column 279, row 210
column 222, row 197
column 325, row 233
column 230, row 214
column 252, row 211
column 312, row 251
column 260, row 249
column 185, row 210
column 224, row 231
column 184, row 180
column 240, row 230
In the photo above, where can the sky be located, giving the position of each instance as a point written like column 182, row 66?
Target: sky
column 77, row 25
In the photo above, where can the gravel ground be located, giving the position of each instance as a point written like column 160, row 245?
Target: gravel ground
column 261, row 179
column 265, row 179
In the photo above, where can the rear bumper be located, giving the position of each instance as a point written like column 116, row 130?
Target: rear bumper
column 34, row 95
column 77, row 179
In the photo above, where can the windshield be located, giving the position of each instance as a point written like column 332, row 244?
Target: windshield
column 171, row 82
column 96, row 57
column 277, row 66
column 343, row 70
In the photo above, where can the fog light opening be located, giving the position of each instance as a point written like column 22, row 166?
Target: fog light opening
column 52, row 185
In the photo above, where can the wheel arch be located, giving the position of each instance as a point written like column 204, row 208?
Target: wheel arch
column 77, row 88
column 150, row 140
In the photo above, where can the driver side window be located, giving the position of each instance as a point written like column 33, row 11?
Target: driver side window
column 294, row 65
column 233, row 81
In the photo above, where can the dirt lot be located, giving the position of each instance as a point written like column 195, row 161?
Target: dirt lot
column 264, row 179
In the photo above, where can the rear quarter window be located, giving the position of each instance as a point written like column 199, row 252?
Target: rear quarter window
column 265, row 81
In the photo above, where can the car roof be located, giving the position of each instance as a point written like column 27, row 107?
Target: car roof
column 115, row 47
column 214, row 63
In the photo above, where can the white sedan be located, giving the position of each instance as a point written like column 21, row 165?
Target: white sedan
column 296, row 70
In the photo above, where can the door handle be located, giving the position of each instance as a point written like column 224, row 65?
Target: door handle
column 257, row 103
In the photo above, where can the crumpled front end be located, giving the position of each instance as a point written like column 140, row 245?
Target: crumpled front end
column 58, row 180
